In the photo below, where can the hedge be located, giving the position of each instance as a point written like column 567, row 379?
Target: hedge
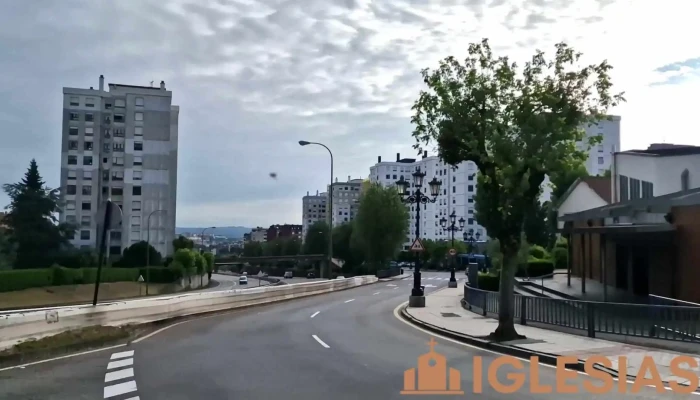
column 488, row 281
column 538, row 252
column 162, row 274
column 535, row 268
column 561, row 257
column 58, row 276
column 19, row 279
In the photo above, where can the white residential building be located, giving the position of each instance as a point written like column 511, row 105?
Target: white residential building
column 258, row 235
column 313, row 209
column 122, row 144
column 456, row 193
column 346, row 200
column 657, row 171
column 584, row 194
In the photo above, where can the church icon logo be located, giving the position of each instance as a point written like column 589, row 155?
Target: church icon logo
column 431, row 376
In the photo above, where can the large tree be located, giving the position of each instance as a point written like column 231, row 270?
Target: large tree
column 31, row 221
column 517, row 125
column 316, row 240
column 381, row 224
column 346, row 247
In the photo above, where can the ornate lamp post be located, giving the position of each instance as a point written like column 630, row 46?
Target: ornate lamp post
column 452, row 227
column 417, row 197
column 470, row 238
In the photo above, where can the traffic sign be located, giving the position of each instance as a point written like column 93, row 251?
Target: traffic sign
column 453, row 252
column 260, row 273
column 417, row 246
column 140, row 278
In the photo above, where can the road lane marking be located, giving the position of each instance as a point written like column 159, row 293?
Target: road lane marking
column 347, row 301
column 123, row 354
column 321, row 342
column 397, row 314
column 375, row 294
column 315, row 314
column 22, row 366
column 119, row 374
column 120, row 363
column 391, row 284
column 119, row 389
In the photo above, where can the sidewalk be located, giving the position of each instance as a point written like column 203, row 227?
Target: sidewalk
column 444, row 311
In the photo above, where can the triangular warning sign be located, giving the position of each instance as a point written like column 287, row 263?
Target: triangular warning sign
column 417, row 245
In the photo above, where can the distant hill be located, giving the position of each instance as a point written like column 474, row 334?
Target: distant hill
column 233, row 232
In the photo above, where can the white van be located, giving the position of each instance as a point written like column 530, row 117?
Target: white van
column 288, row 274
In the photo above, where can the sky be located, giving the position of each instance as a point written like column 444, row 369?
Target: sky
column 252, row 78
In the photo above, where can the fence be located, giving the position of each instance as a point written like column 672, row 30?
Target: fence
column 678, row 323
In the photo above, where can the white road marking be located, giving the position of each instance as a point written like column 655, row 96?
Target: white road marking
column 395, row 288
column 375, row 294
column 123, row 354
column 120, row 374
column 119, row 389
column 430, row 286
column 315, row 314
column 134, row 398
column 398, row 316
column 391, row 284
column 22, row 366
column 321, row 342
column 120, row 363
column 347, row 301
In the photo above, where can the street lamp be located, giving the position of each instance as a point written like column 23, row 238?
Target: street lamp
column 469, row 238
column 202, row 235
column 148, row 248
column 417, row 298
column 452, row 227
column 330, row 208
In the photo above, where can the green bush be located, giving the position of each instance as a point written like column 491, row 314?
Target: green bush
column 168, row 274
column 535, row 268
column 209, row 258
column 562, row 242
column 538, row 252
column 488, row 281
column 110, row 275
column 199, row 263
column 185, row 257
column 65, row 276
column 560, row 255
column 19, row 279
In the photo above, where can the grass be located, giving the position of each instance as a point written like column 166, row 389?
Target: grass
column 75, row 294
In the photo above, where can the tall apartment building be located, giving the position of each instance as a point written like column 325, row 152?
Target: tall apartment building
column 258, row 235
column 313, row 208
column 456, row 194
column 346, row 200
column 120, row 144
column 284, row 231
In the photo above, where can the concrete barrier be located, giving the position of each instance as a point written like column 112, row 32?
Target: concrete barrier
column 21, row 326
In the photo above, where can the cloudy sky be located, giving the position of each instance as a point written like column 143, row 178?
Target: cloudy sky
column 252, row 77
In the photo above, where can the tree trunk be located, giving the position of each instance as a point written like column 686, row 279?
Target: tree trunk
column 506, row 301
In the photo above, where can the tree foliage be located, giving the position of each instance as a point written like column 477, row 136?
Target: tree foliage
column 31, row 222
column 282, row 247
column 540, row 225
column 182, row 242
column 381, row 224
column 134, row 256
column 346, row 247
column 316, row 240
column 517, row 125
column 252, row 249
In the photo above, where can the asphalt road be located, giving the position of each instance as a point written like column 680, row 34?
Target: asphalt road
column 343, row 345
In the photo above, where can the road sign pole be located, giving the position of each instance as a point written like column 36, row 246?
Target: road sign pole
column 105, row 228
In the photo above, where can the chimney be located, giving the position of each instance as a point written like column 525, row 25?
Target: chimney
column 102, row 83
column 307, row 192
column 398, row 157
column 317, row 193
column 91, row 88
column 425, row 154
column 336, row 180
column 162, row 85
column 379, row 159
column 348, row 178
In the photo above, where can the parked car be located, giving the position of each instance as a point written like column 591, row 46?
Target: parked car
column 288, row 274
column 310, row 275
column 243, row 280
column 340, row 277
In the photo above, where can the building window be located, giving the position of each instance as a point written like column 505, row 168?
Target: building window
column 87, row 190
column 138, row 160
column 139, row 101
column 119, row 103
column 106, row 147
column 685, row 180
column 89, row 131
column 600, row 148
column 87, row 175
column 90, row 102
column 601, row 160
column 647, row 190
column 135, row 220
column 136, row 205
column 470, row 221
column 118, row 132
column 138, row 116
column 108, row 106
column 119, row 118
column 72, row 160
column 87, row 146
column 75, row 101
column 85, row 221
column 118, row 160
column 71, row 189
column 470, row 200
column 118, row 147
column 470, row 188
column 138, row 131
column 84, row 235
column 74, row 117
column 136, row 191
column 117, row 175
column 73, row 130
column 70, row 219
column 87, row 206
column 117, row 191
column 115, row 235
column 87, row 160
column 105, row 190
column 72, row 174
column 138, row 146
column 138, row 175
column 624, row 188
column 635, row 186
column 72, row 145
column 105, row 175
column 70, row 205
column 89, row 117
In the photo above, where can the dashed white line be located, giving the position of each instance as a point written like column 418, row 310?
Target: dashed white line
column 120, row 374
column 347, row 301
column 121, row 363
column 376, row 293
column 119, row 389
column 123, row 354
column 321, row 342
column 391, row 284
column 315, row 314
column 396, row 288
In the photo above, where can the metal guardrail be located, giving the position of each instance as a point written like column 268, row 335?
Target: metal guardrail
column 676, row 323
